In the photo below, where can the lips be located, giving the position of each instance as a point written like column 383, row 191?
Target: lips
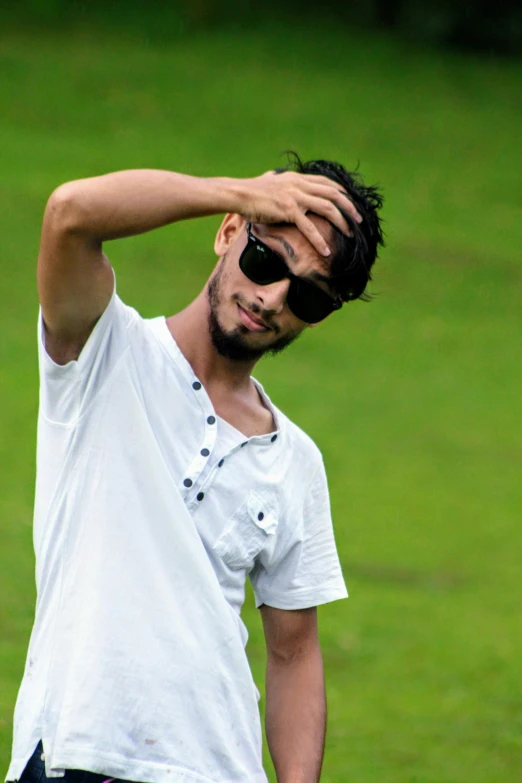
column 251, row 321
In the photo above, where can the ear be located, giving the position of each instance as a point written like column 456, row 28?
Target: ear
column 229, row 231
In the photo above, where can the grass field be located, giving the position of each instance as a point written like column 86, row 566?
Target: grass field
column 414, row 399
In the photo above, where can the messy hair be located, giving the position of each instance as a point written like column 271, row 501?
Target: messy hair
column 354, row 256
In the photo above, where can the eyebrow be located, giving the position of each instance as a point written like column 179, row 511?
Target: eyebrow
column 287, row 246
column 321, row 278
column 291, row 252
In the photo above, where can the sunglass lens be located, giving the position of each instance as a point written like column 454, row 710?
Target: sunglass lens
column 308, row 302
column 261, row 265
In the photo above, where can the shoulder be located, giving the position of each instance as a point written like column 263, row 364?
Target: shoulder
column 298, row 439
column 299, row 454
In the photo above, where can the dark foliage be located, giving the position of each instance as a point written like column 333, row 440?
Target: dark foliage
column 480, row 25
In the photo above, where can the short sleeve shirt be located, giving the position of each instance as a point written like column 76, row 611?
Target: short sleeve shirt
column 149, row 516
column 263, row 509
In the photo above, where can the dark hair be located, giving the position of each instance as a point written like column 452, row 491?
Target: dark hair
column 354, row 256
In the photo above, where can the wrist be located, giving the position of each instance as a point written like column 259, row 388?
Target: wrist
column 229, row 194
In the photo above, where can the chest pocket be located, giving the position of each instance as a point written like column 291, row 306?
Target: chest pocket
column 249, row 532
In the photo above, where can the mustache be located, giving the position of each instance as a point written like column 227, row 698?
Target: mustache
column 265, row 315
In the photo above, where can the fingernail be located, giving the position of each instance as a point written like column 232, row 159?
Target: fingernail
column 327, row 251
column 359, row 218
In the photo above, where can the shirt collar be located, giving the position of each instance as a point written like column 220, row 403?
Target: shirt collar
column 188, row 373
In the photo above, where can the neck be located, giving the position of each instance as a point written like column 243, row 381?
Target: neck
column 191, row 332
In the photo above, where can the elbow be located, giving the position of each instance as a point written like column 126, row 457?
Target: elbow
column 64, row 212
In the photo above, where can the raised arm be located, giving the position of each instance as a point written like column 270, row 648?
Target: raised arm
column 75, row 280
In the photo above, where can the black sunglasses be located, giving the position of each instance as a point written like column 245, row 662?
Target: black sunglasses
column 263, row 266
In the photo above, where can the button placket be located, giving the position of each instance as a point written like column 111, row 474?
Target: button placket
column 210, row 478
column 209, row 438
column 198, row 493
column 265, row 440
column 190, row 481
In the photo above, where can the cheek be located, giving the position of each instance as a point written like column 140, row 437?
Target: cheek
column 232, row 279
column 289, row 325
column 220, row 286
column 292, row 322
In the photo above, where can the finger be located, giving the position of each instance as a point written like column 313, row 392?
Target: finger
column 342, row 200
column 334, row 191
column 308, row 229
column 325, row 208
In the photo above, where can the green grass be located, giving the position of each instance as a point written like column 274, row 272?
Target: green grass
column 414, row 399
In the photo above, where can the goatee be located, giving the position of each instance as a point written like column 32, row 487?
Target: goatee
column 232, row 345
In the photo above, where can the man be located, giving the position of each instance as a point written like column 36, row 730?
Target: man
column 165, row 476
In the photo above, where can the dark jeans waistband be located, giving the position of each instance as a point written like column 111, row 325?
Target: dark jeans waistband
column 34, row 772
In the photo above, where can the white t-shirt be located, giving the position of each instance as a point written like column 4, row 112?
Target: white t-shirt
column 147, row 522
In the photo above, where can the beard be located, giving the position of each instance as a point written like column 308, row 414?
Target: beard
column 234, row 343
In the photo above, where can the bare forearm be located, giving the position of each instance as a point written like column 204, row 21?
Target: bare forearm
column 75, row 280
column 296, row 717
column 131, row 202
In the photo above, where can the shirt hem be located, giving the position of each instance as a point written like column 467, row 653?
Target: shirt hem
column 301, row 599
column 135, row 770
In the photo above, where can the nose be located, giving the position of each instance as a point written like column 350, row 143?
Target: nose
column 273, row 296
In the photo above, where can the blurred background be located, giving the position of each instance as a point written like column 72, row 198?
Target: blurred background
column 414, row 398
